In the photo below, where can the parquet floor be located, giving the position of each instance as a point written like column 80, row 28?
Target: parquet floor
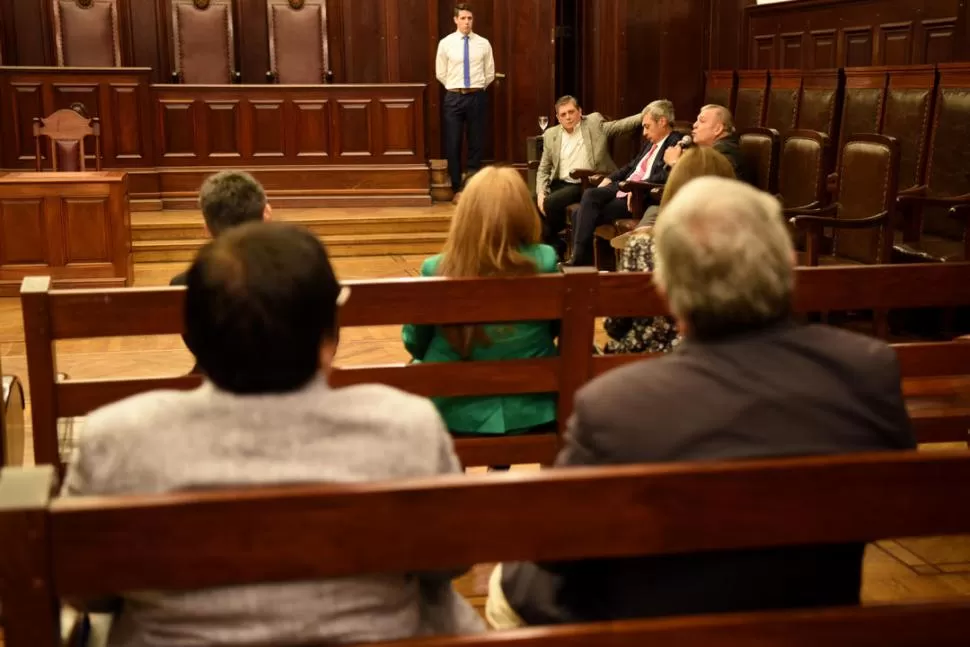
column 914, row 569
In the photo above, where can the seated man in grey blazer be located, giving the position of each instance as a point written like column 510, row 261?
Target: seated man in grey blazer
column 747, row 382
column 261, row 317
column 578, row 142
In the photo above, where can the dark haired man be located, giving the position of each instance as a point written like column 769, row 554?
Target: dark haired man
column 465, row 67
column 261, row 317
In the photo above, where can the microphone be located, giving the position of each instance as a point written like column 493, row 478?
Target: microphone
column 686, row 142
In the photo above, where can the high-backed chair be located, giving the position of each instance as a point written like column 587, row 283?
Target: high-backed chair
column 66, row 131
column 802, row 169
column 908, row 117
column 761, row 148
column 861, row 218
column 86, row 33
column 862, row 106
column 749, row 111
column 784, row 98
column 721, row 88
column 202, row 42
column 936, row 213
column 820, row 100
column 298, row 50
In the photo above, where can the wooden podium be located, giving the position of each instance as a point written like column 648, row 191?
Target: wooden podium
column 73, row 227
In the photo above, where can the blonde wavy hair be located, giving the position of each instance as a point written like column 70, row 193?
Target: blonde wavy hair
column 495, row 219
column 698, row 161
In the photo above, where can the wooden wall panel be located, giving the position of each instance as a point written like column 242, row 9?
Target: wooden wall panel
column 849, row 33
column 726, row 39
column 23, row 232
column 86, row 224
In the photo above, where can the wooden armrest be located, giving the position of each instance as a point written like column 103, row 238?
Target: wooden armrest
column 631, row 186
column 961, row 210
column 533, row 165
column 840, row 223
column 832, row 183
column 811, row 209
column 938, row 201
column 580, row 173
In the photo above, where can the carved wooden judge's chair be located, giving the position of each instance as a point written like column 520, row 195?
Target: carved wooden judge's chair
column 86, row 33
column 66, row 131
column 298, row 49
column 202, row 42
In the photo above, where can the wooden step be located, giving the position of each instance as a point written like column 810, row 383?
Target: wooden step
column 362, row 226
column 149, row 251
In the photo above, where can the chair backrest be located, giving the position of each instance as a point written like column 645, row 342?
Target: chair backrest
column 86, row 33
column 576, row 299
column 803, row 168
column 761, row 148
column 202, row 41
column 66, row 131
column 908, row 116
column 948, row 165
column 721, row 88
column 83, row 548
column 867, row 187
column 862, row 106
column 821, row 96
column 784, row 98
column 751, row 101
column 298, row 49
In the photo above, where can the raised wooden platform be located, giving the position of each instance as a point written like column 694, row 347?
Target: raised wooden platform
column 161, row 236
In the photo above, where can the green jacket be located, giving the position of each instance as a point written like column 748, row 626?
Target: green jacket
column 496, row 414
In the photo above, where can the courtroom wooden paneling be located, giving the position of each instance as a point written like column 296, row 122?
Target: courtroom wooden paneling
column 725, row 36
column 74, row 227
column 635, row 52
column 312, row 145
column 820, row 34
column 119, row 97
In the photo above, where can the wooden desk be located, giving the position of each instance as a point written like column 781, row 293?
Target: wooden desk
column 75, row 227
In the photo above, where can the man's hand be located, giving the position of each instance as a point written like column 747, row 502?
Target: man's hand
column 606, row 182
column 541, row 203
column 672, row 154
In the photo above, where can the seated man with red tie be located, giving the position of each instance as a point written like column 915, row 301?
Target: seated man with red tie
column 606, row 203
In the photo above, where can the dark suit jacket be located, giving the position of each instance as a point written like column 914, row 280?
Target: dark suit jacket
column 658, row 171
column 730, row 147
column 786, row 390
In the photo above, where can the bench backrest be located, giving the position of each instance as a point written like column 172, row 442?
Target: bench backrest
column 575, row 298
column 97, row 546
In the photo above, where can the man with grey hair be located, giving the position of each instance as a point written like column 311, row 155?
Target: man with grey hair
column 747, row 382
column 715, row 127
column 606, row 203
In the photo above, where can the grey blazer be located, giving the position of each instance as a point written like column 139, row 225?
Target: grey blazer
column 597, row 133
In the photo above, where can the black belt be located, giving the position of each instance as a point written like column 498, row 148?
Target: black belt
column 466, row 90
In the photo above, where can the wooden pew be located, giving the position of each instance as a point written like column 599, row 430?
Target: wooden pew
column 87, row 547
column 940, row 401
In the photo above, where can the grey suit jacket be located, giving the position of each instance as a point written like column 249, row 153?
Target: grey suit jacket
column 597, row 133
column 166, row 441
column 787, row 390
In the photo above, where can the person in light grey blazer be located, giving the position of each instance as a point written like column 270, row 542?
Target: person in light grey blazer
column 578, row 142
column 260, row 312
column 747, row 382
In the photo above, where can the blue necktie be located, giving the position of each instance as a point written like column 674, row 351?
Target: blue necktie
column 467, row 66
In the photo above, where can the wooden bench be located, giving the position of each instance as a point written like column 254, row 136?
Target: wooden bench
column 936, row 375
column 79, row 548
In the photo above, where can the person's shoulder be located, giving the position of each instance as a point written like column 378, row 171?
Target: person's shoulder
column 551, row 134
column 384, row 406
column 545, row 255
column 594, row 118
column 429, row 267
column 657, row 380
column 478, row 36
column 850, row 348
column 134, row 415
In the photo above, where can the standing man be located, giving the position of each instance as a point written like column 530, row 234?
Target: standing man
column 465, row 67
column 578, row 142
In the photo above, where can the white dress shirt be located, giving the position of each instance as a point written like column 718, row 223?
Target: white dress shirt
column 573, row 154
column 449, row 64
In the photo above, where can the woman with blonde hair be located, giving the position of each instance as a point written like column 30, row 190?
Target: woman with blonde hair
column 495, row 232
column 657, row 334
